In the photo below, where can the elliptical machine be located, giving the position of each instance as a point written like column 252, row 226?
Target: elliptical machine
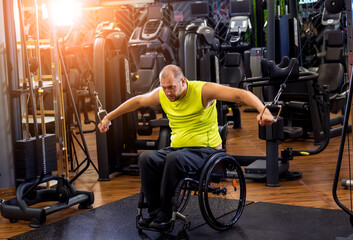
column 200, row 46
column 150, row 48
column 239, row 25
column 232, row 71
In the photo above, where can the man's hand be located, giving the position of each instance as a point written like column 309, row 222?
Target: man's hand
column 104, row 125
column 266, row 118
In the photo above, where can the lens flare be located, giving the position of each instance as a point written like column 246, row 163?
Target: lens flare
column 65, row 12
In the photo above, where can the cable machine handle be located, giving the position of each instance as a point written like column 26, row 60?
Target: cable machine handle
column 269, row 106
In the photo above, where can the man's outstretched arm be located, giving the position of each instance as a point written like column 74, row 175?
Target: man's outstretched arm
column 144, row 100
column 213, row 91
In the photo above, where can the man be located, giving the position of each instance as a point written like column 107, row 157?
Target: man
column 191, row 109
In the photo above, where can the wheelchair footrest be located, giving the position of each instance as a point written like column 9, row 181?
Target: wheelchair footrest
column 167, row 230
column 182, row 217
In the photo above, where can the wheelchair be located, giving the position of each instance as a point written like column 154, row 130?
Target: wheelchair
column 220, row 188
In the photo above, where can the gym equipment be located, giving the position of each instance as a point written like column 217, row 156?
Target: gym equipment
column 271, row 166
column 333, row 72
column 77, row 116
column 151, row 48
column 200, row 46
column 289, row 34
column 345, row 130
column 318, row 23
column 239, row 25
column 334, row 6
column 330, row 18
column 112, row 85
column 81, row 83
column 41, row 149
column 301, row 110
column 232, row 74
column 201, row 52
column 283, row 28
column 232, row 70
column 302, row 107
column 118, row 147
column 252, row 68
column 221, row 189
column 346, row 183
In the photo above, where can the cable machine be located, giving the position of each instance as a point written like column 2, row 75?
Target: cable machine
column 43, row 153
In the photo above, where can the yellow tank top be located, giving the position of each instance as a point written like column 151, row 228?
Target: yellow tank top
column 192, row 125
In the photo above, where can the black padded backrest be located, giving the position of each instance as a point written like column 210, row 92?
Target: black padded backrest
column 265, row 65
column 231, row 76
column 168, row 53
column 331, row 74
column 333, row 54
column 232, row 72
column 233, row 59
column 284, row 62
column 223, row 131
column 294, row 90
column 247, row 64
column 335, row 38
column 279, row 73
column 181, row 39
column 334, row 46
column 147, row 60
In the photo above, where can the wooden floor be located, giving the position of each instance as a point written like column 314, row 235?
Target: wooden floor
column 314, row 189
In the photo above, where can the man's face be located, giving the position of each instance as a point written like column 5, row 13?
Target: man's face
column 172, row 88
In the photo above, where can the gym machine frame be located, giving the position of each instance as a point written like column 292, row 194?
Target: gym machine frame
column 276, row 166
column 27, row 194
column 336, row 7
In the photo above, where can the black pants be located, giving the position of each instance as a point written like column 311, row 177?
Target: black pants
column 162, row 170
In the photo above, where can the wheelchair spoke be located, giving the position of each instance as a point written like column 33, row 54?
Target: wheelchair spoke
column 223, row 200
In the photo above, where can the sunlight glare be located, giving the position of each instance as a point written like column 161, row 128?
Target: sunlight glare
column 65, row 12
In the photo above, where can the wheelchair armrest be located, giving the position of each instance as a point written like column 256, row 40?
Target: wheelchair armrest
column 161, row 122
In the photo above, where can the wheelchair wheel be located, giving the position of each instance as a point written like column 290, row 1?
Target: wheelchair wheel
column 222, row 191
column 182, row 194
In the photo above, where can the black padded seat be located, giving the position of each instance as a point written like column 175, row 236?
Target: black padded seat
column 293, row 132
column 332, row 75
column 232, row 74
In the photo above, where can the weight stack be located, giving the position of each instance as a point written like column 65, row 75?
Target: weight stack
column 28, row 161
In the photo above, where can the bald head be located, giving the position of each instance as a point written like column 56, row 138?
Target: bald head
column 171, row 71
column 173, row 82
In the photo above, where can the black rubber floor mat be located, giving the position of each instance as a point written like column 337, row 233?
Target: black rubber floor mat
column 259, row 221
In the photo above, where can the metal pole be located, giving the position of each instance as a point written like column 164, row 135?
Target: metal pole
column 37, row 42
column 260, row 24
column 349, row 35
column 271, row 42
column 56, row 90
column 14, row 123
column 348, row 107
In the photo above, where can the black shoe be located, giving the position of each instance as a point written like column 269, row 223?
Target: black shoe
column 145, row 222
column 162, row 221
